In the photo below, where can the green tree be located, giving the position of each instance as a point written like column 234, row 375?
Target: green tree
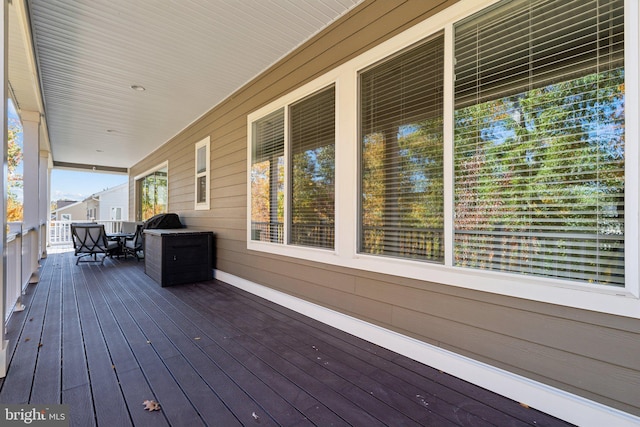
column 402, row 191
column 548, row 160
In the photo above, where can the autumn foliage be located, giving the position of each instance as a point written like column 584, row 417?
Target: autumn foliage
column 14, row 157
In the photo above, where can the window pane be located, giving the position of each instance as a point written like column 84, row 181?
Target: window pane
column 539, row 140
column 201, row 196
column 152, row 194
column 313, row 164
column 201, row 159
column 401, row 155
column 267, row 178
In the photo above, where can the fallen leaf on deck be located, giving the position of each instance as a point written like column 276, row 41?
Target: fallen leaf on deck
column 27, row 339
column 151, row 405
column 524, row 405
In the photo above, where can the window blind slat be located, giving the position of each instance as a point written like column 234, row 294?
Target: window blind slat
column 541, row 43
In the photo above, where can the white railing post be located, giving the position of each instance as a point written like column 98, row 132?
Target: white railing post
column 42, row 249
column 30, row 257
column 13, row 273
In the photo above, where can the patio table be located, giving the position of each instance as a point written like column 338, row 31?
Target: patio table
column 120, row 237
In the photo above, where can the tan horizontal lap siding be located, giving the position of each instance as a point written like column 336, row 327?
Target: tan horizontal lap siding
column 591, row 354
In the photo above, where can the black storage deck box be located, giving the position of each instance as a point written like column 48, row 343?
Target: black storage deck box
column 175, row 256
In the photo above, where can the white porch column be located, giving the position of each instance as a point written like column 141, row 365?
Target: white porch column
column 4, row 60
column 31, row 160
column 45, row 200
column 31, row 195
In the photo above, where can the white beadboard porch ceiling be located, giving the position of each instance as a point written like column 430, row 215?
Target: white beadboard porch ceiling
column 189, row 55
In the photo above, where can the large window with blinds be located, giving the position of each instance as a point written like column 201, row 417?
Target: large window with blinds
column 312, row 124
column 485, row 147
column 539, row 142
column 401, row 155
column 293, row 173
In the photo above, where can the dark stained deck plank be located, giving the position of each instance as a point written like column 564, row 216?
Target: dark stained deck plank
column 373, row 375
column 307, row 345
column 24, row 336
column 221, row 331
column 419, row 410
column 183, row 362
column 163, row 386
column 182, row 333
column 47, row 379
column 461, row 416
column 76, row 388
column 338, row 386
column 108, row 401
column 461, row 394
column 108, row 337
column 133, row 384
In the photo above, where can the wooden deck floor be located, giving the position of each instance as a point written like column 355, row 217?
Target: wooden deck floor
column 105, row 339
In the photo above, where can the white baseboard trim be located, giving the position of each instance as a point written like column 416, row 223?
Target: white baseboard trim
column 553, row 401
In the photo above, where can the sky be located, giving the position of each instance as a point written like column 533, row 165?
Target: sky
column 72, row 185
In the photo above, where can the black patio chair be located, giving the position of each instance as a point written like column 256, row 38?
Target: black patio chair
column 91, row 240
column 134, row 245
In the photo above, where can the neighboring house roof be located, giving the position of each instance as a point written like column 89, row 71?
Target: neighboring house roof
column 65, row 202
column 70, row 205
column 66, row 207
column 97, row 195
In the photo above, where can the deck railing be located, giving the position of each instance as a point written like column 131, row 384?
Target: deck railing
column 24, row 246
column 23, row 252
column 60, row 231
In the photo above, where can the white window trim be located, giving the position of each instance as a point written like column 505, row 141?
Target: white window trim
column 149, row 171
column 206, row 205
column 605, row 299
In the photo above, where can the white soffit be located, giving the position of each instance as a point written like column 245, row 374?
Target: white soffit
column 189, row 55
